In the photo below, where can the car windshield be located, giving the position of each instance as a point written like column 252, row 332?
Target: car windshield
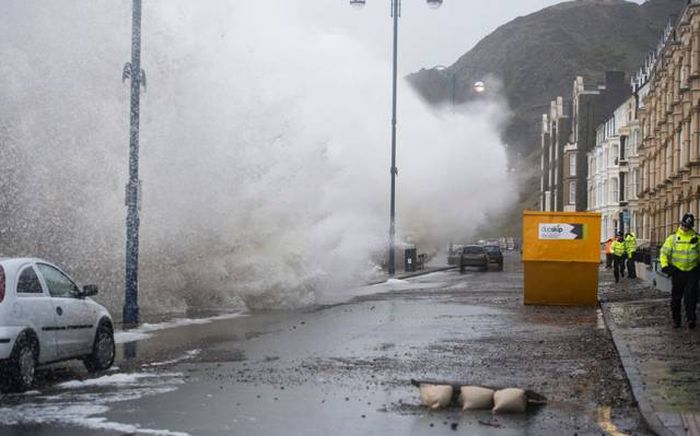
column 473, row 250
column 492, row 249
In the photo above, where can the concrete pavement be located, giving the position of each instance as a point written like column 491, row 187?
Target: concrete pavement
column 662, row 364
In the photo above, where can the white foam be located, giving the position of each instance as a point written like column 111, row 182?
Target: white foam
column 181, row 322
column 121, row 337
column 188, row 355
column 78, row 406
column 402, row 285
column 102, row 424
column 81, row 415
column 113, row 379
column 145, row 330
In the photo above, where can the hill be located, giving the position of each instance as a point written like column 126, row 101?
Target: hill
column 537, row 57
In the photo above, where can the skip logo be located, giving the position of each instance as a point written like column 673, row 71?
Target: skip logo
column 561, row 231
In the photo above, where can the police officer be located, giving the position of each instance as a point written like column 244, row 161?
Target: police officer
column 619, row 254
column 679, row 259
column 631, row 250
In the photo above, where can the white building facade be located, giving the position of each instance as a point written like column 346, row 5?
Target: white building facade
column 612, row 168
column 631, row 169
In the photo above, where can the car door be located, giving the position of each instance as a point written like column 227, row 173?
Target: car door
column 75, row 316
column 34, row 306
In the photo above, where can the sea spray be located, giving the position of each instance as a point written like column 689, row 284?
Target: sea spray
column 264, row 152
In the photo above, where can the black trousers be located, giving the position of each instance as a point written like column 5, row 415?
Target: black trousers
column 618, row 266
column 608, row 260
column 631, row 268
column 684, row 290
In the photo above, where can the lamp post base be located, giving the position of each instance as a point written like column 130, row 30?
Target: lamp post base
column 130, row 317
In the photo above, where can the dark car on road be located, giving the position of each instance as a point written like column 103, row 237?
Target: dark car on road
column 495, row 256
column 453, row 254
column 473, row 256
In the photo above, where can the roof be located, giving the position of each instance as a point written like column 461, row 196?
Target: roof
column 15, row 262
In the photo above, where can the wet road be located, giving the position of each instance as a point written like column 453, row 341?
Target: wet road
column 345, row 368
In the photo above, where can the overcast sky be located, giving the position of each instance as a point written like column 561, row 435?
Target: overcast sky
column 426, row 37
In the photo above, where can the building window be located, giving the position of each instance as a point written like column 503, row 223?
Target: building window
column 28, row 282
column 681, row 156
column 572, row 165
column 606, row 162
column 605, row 193
column 572, row 192
column 605, row 227
column 614, row 194
column 695, row 143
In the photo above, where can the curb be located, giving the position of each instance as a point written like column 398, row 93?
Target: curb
column 412, row 274
column 633, row 377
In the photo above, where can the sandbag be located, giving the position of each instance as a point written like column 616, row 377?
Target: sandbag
column 512, row 400
column 475, row 397
column 435, row 396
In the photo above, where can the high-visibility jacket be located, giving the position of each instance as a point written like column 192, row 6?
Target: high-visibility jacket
column 618, row 248
column 630, row 244
column 608, row 246
column 681, row 250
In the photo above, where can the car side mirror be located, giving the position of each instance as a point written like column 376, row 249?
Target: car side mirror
column 89, row 290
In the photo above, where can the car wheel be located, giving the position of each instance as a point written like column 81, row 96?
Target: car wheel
column 103, row 349
column 22, row 365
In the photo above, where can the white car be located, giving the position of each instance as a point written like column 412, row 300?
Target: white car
column 45, row 317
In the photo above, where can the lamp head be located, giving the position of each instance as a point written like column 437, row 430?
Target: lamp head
column 357, row 4
column 479, row 87
column 434, row 4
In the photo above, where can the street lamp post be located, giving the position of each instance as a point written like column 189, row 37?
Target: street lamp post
column 395, row 14
column 133, row 71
